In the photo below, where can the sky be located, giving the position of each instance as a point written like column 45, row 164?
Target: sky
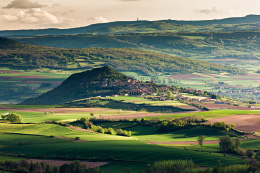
column 36, row 14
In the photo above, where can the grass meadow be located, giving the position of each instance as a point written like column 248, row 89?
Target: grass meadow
column 52, row 141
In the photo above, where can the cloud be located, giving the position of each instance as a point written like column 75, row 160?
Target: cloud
column 98, row 19
column 56, row 5
column 128, row 0
column 23, row 4
column 35, row 16
column 209, row 10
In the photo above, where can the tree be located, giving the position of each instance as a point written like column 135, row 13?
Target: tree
column 237, row 143
column 13, row 117
column 213, row 97
column 169, row 95
column 226, row 144
column 65, row 168
column 249, row 153
column 92, row 114
column 75, row 166
column 55, row 169
column 201, row 140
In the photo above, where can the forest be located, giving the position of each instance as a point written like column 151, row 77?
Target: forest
column 23, row 56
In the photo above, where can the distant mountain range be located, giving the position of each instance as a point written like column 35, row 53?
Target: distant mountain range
column 147, row 26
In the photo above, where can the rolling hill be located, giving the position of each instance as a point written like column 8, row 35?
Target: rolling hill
column 24, row 57
column 208, row 46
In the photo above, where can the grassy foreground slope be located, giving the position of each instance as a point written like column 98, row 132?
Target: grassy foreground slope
column 54, row 141
column 99, row 149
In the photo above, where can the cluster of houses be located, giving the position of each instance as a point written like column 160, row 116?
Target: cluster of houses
column 128, row 87
column 150, row 90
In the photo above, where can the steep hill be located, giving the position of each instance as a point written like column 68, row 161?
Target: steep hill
column 103, row 82
column 97, row 82
column 148, row 63
column 9, row 44
column 234, row 23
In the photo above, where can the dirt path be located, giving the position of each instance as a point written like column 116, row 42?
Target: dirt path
column 61, row 162
column 181, row 142
column 80, row 129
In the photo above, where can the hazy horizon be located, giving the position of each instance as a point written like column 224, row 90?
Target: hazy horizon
column 35, row 14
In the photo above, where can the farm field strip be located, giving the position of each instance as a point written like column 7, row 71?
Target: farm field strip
column 168, row 145
column 57, row 130
column 126, row 150
column 61, row 162
column 187, row 135
column 138, row 100
column 211, row 114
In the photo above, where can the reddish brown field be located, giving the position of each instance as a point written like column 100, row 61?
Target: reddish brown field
column 61, row 162
column 142, row 115
column 54, row 83
column 31, row 76
column 248, row 75
column 55, row 110
column 185, row 76
column 3, row 78
column 246, row 123
column 226, row 60
column 211, row 75
column 246, row 78
column 12, row 72
column 213, row 106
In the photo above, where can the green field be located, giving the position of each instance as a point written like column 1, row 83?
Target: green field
column 209, row 114
column 37, row 117
column 126, row 150
column 150, row 134
column 53, row 141
column 128, row 98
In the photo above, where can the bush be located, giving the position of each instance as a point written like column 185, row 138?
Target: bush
column 83, row 119
column 241, row 152
column 77, row 138
column 129, row 134
column 234, row 168
column 13, row 117
column 110, row 131
column 172, row 166
column 121, row 132
column 97, row 129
